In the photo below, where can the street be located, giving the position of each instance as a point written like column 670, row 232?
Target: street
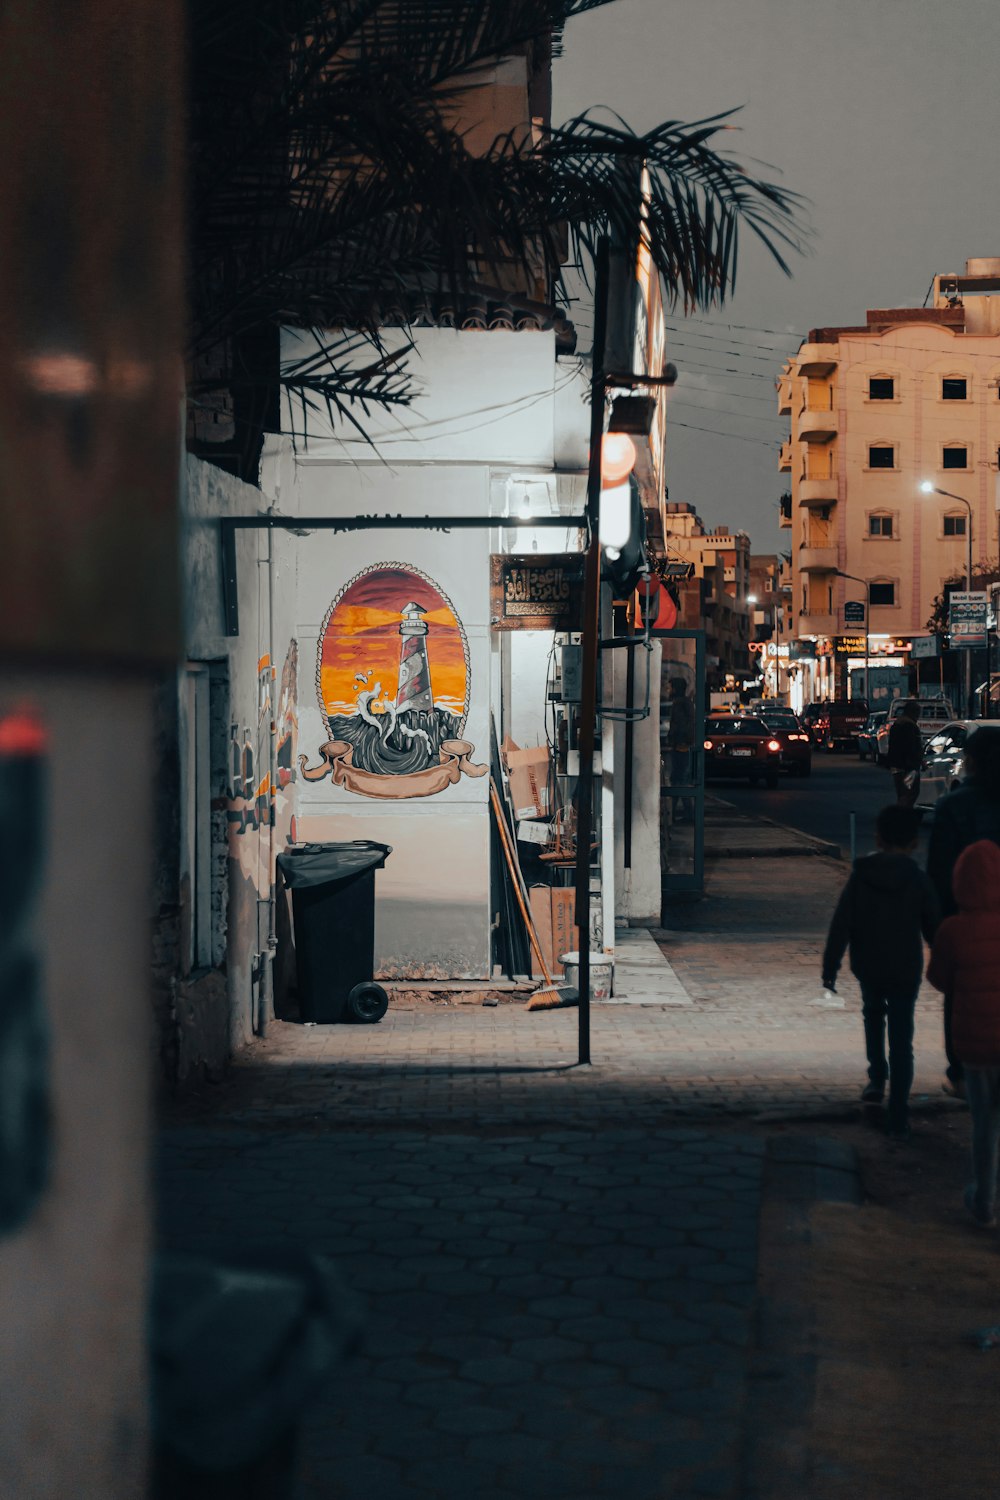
column 822, row 803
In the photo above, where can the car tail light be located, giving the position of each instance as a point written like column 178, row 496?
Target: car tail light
column 773, row 745
column 707, row 745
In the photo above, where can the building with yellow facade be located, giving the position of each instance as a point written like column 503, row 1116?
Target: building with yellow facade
column 911, row 396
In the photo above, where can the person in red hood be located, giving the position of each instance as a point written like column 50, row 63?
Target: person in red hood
column 965, row 964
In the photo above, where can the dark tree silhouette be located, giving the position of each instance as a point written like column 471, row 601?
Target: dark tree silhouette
column 331, row 189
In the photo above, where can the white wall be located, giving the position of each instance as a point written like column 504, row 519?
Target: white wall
column 487, row 407
column 638, row 888
column 210, row 493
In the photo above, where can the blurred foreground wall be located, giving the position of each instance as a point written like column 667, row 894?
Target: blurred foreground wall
column 91, row 327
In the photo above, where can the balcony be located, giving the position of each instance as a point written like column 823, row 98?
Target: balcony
column 817, row 426
column 817, row 359
column 785, row 457
column 784, row 385
column 817, row 559
column 817, row 624
column 818, row 491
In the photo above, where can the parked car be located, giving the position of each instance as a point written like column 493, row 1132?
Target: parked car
column 791, row 734
column 845, row 717
column 741, row 747
column 935, row 713
column 944, row 758
column 867, row 742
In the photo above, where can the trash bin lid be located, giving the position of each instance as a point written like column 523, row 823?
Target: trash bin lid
column 319, row 864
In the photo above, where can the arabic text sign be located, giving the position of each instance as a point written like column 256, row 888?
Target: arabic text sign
column 967, row 618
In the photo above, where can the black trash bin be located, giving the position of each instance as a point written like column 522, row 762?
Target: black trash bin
column 333, row 907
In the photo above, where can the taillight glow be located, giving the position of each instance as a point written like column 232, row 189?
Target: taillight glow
column 773, row 745
column 708, row 745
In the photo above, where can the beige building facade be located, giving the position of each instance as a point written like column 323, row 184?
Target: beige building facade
column 910, row 396
column 716, row 597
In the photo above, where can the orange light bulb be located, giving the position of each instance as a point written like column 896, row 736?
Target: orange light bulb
column 618, row 457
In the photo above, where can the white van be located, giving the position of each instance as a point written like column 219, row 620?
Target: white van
column 934, row 714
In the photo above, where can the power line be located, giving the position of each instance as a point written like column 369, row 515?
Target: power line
column 738, row 437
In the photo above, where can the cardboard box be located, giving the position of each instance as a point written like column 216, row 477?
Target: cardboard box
column 541, row 914
column 565, row 933
column 528, row 778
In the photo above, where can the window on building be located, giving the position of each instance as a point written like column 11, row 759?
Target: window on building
column 954, row 525
column 955, row 458
column 881, row 457
column 880, row 525
column 881, row 388
column 954, row 388
column 883, row 592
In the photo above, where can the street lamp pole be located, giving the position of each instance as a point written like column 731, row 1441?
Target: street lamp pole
column 932, row 489
column 868, row 622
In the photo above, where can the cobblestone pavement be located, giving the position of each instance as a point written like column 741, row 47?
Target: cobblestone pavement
column 565, row 1314
column 753, row 1040
column 560, row 1262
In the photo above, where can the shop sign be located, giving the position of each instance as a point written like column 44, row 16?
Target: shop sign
column 802, row 650
column 854, row 612
column 968, row 615
column 859, row 645
column 926, row 645
column 536, row 591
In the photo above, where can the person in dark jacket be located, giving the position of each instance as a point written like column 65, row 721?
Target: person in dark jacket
column 905, row 753
column 886, row 906
column 965, row 963
column 961, row 817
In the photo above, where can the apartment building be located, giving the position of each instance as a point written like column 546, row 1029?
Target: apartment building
column 715, row 598
column 911, row 396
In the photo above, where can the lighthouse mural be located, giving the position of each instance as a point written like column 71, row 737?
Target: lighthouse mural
column 393, row 681
column 414, row 690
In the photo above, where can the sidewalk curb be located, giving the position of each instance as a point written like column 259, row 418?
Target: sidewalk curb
column 802, row 844
column 773, row 851
column 798, row 1172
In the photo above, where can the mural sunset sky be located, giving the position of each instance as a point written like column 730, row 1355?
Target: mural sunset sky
column 363, row 636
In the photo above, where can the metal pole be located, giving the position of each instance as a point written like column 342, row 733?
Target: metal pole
column 853, row 817
column 590, row 650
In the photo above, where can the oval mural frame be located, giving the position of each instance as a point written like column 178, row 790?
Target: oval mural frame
column 399, row 567
column 337, row 755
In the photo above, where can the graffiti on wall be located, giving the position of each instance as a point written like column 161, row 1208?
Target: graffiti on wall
column 251, row 803
column 393, row 680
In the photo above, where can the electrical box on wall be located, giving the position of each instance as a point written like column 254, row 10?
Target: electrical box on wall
column 571, row 673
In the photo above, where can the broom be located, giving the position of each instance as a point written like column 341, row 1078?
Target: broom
column 550, row 996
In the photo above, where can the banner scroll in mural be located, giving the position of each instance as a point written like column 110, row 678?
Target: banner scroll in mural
column 338, row 756
column 393, row 680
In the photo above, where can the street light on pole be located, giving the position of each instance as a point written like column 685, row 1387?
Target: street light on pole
column 927, row 488
column 868, row 621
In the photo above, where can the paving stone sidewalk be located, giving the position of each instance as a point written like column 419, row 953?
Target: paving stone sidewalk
column 563, row 1314
column 560, row 1262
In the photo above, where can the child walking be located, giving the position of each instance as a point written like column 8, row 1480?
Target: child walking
column 886, row 906
column 965, row 964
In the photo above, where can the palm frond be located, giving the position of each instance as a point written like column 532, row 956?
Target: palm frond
column 331, row 187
